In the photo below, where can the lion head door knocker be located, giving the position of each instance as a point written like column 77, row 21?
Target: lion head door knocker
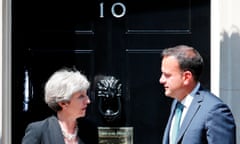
column 108, row 90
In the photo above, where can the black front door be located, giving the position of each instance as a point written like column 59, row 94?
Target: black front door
column 122, row 39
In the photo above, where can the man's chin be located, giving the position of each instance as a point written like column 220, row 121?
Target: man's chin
column 169, row 95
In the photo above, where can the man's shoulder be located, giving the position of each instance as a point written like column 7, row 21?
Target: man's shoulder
column 207, row 92
column 211, row 101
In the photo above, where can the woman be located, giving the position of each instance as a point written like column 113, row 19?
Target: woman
column 66, row 94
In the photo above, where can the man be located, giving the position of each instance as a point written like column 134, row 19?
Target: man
column 204, row 119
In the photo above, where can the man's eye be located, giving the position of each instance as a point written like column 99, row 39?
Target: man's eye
column 167, row 75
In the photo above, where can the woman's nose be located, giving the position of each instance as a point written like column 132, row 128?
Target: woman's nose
column 88, row 100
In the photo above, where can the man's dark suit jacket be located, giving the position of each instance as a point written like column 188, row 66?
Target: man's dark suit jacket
column 208, row 121
column 48, row 131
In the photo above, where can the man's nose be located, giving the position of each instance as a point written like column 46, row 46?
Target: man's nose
column 161, row 80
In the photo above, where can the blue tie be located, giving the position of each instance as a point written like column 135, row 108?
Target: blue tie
column 176, row 124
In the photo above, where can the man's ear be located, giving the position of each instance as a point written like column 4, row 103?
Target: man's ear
column 187, row 77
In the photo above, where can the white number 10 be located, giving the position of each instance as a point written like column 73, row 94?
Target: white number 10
column 113, row 11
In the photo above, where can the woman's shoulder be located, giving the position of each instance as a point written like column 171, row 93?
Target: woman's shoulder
column 40, row 124
column 35, row 130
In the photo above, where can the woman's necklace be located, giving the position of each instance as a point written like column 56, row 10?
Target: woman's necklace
column 67, row 135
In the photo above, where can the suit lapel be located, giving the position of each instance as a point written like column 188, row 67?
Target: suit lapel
column 193, row 109
column 55, row 131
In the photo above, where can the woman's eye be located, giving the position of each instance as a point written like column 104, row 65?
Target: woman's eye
column 82, row 96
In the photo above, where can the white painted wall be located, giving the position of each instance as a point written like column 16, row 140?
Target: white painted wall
column 225, row 53
column 5, row 18
column 1, row 71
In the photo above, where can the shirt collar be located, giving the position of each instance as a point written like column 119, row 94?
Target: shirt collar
column 188, row 99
